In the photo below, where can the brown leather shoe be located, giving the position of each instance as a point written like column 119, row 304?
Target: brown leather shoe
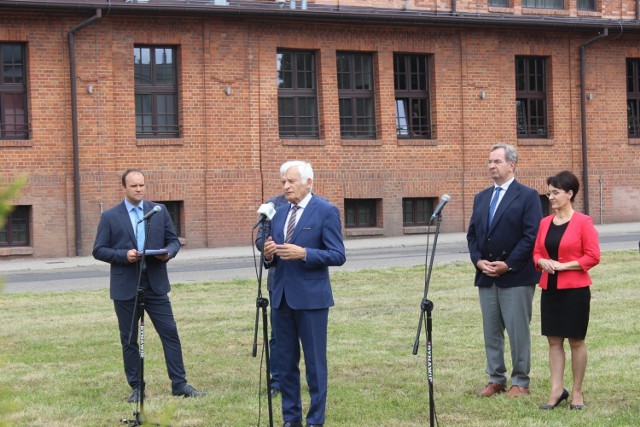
column 517, row 391
column 492, row 388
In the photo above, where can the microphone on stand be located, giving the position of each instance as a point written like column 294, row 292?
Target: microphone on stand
column 266, row 211
column 152, row 212
column 443, row 201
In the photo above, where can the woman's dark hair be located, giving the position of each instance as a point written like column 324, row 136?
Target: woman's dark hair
column 565, row 181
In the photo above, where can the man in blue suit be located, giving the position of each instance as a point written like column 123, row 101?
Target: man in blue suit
column 501, row 235
column 119, row 240
column 306, row 239
column 263, row 231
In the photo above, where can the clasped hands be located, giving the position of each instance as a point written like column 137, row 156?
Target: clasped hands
column 550, row 265
column 286, row 251
column 492, row 268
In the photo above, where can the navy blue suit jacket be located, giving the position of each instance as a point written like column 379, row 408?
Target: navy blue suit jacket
column 115, row 236
column 510, row 238
column 306, row 283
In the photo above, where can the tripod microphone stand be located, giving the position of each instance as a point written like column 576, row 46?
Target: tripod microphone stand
column 426, row 307
column 261, row 306
column 138, row 311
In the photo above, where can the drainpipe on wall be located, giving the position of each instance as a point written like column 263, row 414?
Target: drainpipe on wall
column 583, row 122
column 74, row 125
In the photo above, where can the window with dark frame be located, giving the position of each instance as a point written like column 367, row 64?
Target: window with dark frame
column 13, row 92
column 356, row 95
column 633, row 97
column 156, row 92
column 297, row 95
column 499, row 3
column 531, row 97
column 16, row 228
column 411, row 84
column 360, row 213
column 417, row 210
column 589, row 5
column 543, row 4
column 174, row 208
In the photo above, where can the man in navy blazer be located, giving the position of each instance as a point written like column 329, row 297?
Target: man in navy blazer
column 501, row 235
column 117, row 243
column 306, row 239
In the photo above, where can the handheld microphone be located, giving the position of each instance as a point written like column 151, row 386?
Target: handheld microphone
column 443, row 201
column 266, row 211
column 152, row 212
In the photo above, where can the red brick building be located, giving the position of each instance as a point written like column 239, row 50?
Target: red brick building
column 393, row 102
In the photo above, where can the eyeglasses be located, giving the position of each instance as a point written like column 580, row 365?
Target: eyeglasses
column 554, row 193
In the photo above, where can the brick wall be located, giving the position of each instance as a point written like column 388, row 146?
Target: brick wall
column 227, row 160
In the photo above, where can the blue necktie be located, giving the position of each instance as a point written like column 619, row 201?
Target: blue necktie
column 139, row 228
column 494, row 204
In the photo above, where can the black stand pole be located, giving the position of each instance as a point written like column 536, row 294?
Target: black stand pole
column 426, row 307
column 138, row 312
column 261, row 305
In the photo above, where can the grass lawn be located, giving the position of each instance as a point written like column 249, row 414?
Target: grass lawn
column 61, row 363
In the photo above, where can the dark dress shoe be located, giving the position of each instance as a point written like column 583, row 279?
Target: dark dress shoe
column 292, row 424
column 188, row 391
column 135, row 396
column 563, row 396
column 576, row 407
column 274, row 391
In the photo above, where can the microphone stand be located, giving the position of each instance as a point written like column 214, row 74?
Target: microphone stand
column 261, row 305
column 139, row 417
column 426, row 307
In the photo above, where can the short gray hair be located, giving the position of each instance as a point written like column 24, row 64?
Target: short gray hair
column 510, row 153
column 305, row 169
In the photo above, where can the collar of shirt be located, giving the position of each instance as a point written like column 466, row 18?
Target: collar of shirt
column 304, row 202
column 504, row 186
column 130, row 206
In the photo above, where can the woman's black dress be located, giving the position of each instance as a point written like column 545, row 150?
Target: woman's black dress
column 564, row 312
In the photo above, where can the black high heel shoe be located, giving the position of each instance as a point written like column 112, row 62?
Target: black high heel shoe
column 563, row 396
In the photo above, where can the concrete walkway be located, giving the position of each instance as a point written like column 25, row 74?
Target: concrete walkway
column 613, row 237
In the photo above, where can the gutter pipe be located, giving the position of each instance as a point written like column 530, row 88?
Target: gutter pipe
column 74, row 125
column 583, row 122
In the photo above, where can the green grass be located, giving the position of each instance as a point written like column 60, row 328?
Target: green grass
column 61, row 359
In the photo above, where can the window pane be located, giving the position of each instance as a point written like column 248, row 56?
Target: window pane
column 413, row 116
column 586, row 5
column 360, row 212
column 156, row 92
column 285, row 77
column 344, row 71
column 297, row 101
column 400, row 72
column 12, row 64
column 15, row 231
column 13, row 92
column 531, row 106
column 402, row 128
column 356, row 96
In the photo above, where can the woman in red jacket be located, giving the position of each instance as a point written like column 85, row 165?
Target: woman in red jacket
column 566, row 247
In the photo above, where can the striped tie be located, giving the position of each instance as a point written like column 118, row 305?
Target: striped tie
column 494, row 204
column 291, row 225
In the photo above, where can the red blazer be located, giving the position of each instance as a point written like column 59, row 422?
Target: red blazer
column 579, row 243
